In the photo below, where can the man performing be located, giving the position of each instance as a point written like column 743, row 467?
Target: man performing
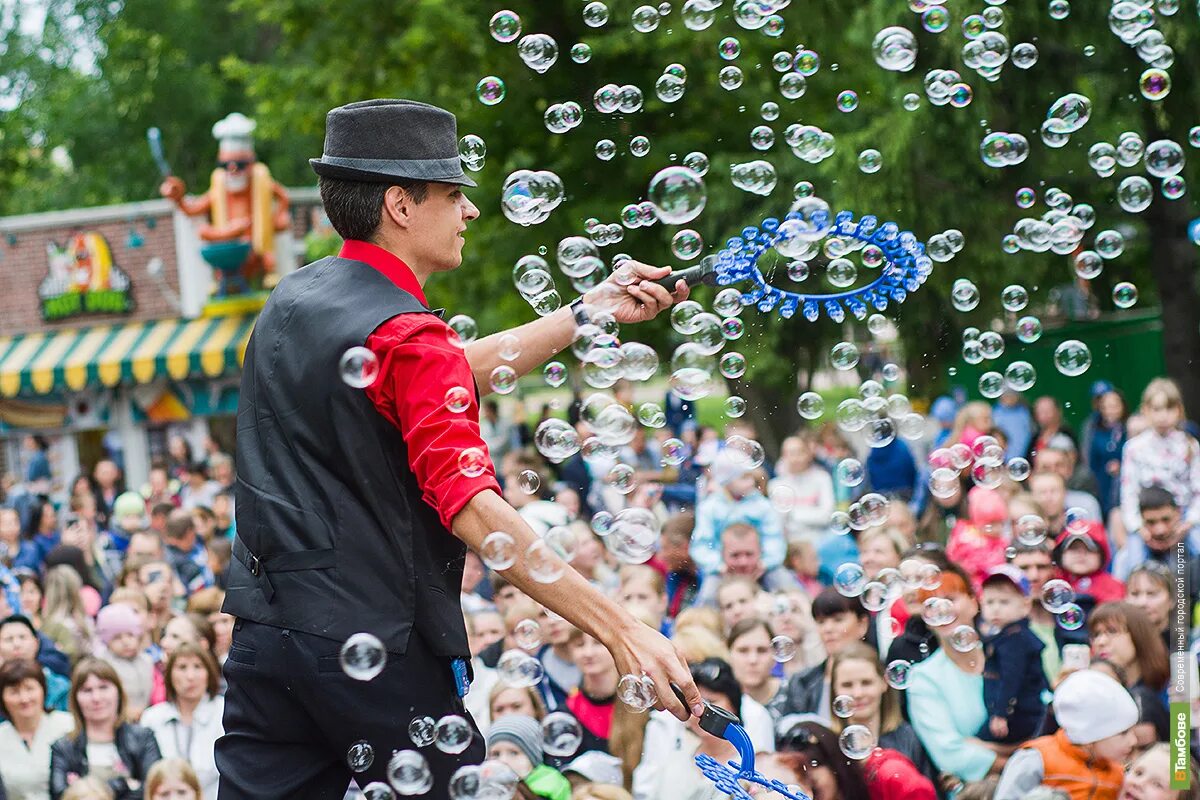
column 352, row 512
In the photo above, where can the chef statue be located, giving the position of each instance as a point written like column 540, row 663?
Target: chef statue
column 245, row 208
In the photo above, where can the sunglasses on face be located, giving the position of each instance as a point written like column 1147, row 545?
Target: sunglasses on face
column 239, row 164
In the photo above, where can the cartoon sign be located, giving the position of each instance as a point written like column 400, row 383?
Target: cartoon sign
column 83, row 280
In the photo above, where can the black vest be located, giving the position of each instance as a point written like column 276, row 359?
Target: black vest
column 333, row 534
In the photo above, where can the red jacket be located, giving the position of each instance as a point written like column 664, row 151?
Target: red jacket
column 1100, row 584
column 891, row 776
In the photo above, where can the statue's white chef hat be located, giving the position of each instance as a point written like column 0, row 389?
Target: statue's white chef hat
column 235, row 132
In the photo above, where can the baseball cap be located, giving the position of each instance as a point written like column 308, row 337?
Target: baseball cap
column 1007, row 572
column 597, row 767
column 1079, row 536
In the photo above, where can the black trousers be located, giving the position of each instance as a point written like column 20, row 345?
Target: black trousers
column 292, row 714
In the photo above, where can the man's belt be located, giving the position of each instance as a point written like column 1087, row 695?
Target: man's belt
column 294, row 561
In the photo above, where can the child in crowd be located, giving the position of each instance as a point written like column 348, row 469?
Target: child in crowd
column 804, row 563
column 737, row 499
column 978, row 543
column 119, row 629
column 643, row 593
column 516, row 741
column 1013, row 679
column 592, row 701
column 172, row 779
column 1163, row 455
column 804, row 486
column 1086, row 756
column 1081, row 552
column 736, row 599
column 673, row 561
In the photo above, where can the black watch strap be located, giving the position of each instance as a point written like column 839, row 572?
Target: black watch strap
column 579, row 311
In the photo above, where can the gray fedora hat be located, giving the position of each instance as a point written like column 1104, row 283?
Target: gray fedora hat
column 379, row 140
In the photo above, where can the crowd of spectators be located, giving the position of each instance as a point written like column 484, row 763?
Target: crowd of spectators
column 981, row 611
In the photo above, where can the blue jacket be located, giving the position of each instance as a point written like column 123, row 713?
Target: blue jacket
column 891, row 469
column 1013, row 678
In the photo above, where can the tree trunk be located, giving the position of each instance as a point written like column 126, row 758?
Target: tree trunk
column 1174, row 266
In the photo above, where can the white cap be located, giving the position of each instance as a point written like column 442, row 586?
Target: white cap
column 235, row 132
column 1091, row 706
column 597, row 767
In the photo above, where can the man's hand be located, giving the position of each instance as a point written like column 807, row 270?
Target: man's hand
column 172, row 188
column 630, row 295
column 639, row 649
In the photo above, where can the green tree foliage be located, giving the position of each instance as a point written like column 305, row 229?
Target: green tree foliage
column 181, row 65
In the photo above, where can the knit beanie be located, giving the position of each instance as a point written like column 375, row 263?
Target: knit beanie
column 1091, row 706
column 115, row 619
column 520, row 730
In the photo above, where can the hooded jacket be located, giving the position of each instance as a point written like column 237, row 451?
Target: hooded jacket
column 891, row 776
column 1100, row 585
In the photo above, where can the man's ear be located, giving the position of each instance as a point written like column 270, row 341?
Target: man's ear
column 397, row 206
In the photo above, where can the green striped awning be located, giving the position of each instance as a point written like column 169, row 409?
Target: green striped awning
column 46, row 361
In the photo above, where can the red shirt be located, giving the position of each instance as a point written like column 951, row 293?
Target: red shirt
column 418, row 364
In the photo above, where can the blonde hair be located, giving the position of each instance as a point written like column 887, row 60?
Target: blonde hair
column 171, row 769
column 88, row 788
column 895, row 538
column 699, row 616
column 64, row 604
column 1163, row 389
column 635, row 572
column 130, row 597
column 698, row 643
column 977, row 414
column 539, row 706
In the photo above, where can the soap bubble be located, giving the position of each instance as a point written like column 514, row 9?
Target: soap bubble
column 1029, row 329
column 1068, row 113
column 527, row 633
column 856, row 741
column 638, row 693
column 360, row 756
column 849, row 579
column 645, row 19
column 545, row 565
column 1018, row 468
column 1057, row 594
column 505, row 26
column 498, row 551
column 1155, row 84
column 811, row 405
column 473, row 151
column 730, row 78
column 561, row 734
column 850, row 472
column 422, row 731
column 964, row 295
column 408, row 773
column 556, row 440
column 1014, row 297
column 359, row 367
column 363, row 656
column 847, row 101
column 897, row 674
column 870, row 161
column 1124, row 295
column 378, row 790
column 538, row 51
column 1024, row 55
column 843, row 706
column 1071, row 617
column 1134, row 194
column 472, row 462
column 687, row 244
column 783, row 649
column 453, row 733
column 595, row 14
column 490, row 90
column 639, row 146
column 938, row 611
column 757, row 177
column 964, row 639
column 733, row 365
column 895, row 49
column 1030, row 530
column 1020, row 376
column 503, row 379
column 1072, row 358
column 678, row 195
column 843, row 356
column 519, row 669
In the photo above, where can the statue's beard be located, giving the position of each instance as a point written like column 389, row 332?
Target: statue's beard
column 237, row 181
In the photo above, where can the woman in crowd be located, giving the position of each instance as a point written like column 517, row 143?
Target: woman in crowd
column 821, row 767
column 172, row 779
column 753, row 661
column 791, row 616
column 63, row 617
column 857, row 673
column 880, row 549
column 32, row 596
column 840, row 621
column 15, row 552
column 945, row 691
column 189, row 723
column 207, row 603
column 42, row 528
column 1122, row 633
column 1150, row 588
column 101, row 744
column 526, row 700
column 30, row 730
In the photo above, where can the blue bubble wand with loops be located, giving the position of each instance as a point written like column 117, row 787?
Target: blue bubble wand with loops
column 905, row 266
column 728, row 777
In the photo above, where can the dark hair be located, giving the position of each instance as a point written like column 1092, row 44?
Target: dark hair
column 808, row 744
column 206, row 659
column 1155, row 496
column 179, row 523
column 830, row 602
column 161, row 508
column 1022, row 549
column 19, row 619
column 35, row 515
column 354, row 208
column 72, row 557
column 198, row 467
column 86, row 668
column 716, row 675
column 40, row 442
column 16, row 672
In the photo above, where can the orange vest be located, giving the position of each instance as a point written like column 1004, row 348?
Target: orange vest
column 1068, row 767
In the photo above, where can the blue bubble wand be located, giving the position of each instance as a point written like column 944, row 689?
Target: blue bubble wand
column 728, row 777
column 905, row 266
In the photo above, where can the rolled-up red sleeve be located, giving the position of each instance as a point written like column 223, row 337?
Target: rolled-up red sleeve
column 417, row 366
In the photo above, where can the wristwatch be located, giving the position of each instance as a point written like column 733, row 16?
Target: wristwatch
column 579, row 311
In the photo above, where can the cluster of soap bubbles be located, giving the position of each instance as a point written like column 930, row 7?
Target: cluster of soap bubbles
column 1000, row 149
column 531, row 276
column 562, row 117
column 983, row 460
column 1133, row 23
column 528, row 197
column 1060, row 229
column 946, row 87
column 611, row 98
column 809, row 143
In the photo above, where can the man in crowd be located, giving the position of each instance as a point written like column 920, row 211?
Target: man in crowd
column 741, row 554
column 1163, row 530
column 185, row 552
